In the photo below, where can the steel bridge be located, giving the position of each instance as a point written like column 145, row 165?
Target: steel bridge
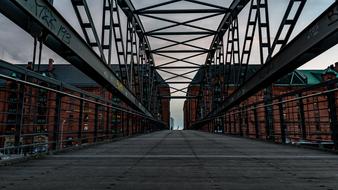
column 101, row 119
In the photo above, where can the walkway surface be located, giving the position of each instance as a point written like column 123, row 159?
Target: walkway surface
column 178, row 160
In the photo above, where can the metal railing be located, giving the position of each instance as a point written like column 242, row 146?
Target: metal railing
column 306, row 116
column 39, row 114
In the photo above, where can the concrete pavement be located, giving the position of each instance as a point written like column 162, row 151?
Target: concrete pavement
column 178, row 160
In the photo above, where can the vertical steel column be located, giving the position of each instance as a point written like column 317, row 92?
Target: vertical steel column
column 247, row 121
column 331, row 97
column 127, row 122
column 282, row 121
column 256, row 122
column 96, row 120
column 230, row 124
column 114, row 124
column 225, row 124
column 268, row 112
column 19, row 115
column 121, row 131
column 240, row 117
column 133, row 126
column 302, row 116
column 142, row 126
column 108, row 123
column 79, row 134
column 56, row 132
column 123, row 123
column 235, row 123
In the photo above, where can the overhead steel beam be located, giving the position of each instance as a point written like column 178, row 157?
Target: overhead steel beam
column 180, row 82
column 182, row 51
column 36, row 15
column 235, row 8
column 179, row 33
column 177, row 11
column 175, row 43
column 206, row 4
column 177, row 60
column 178, row 67
column 185, row 23
column 318, row 37
column 183, row 75
column 179, row 97
column 158, row 5
column 178, row 90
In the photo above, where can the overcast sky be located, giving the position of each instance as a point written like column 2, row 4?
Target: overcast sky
column 16, row 45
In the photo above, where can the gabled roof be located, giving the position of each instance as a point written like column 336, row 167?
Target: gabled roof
column 298, row 77
column 67, row 73
column 312, row 76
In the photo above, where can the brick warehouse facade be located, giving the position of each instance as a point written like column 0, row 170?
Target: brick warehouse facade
column 313, row 111
column 40, row 109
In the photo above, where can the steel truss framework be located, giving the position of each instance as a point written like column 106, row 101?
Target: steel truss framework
column 258, row 17
column 136, row 80
column 282, row 55
column 184, row 66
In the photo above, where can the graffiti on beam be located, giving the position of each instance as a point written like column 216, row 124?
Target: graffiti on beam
column 333, row 16
column 64, row 34
column 47, row 17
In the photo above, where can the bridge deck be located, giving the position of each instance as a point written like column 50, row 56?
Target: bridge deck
column 178, row 160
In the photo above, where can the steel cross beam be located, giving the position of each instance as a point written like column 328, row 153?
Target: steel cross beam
column 179, row 97
column 180, row 33
column 183, row 75
column 182, row 51
column 178, row 90
column 158, row 5
column 36, row 15
column 185, row 23
column 179, row 82
column 178, row 60
column 178, row 67
column 206, row 4
column 316, row 38
column 179, row 43
column 176, row 43
column 177, row 11
column 174, row 1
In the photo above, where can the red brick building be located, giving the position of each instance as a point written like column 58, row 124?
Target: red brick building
column 314, row 110
column 36, row 122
